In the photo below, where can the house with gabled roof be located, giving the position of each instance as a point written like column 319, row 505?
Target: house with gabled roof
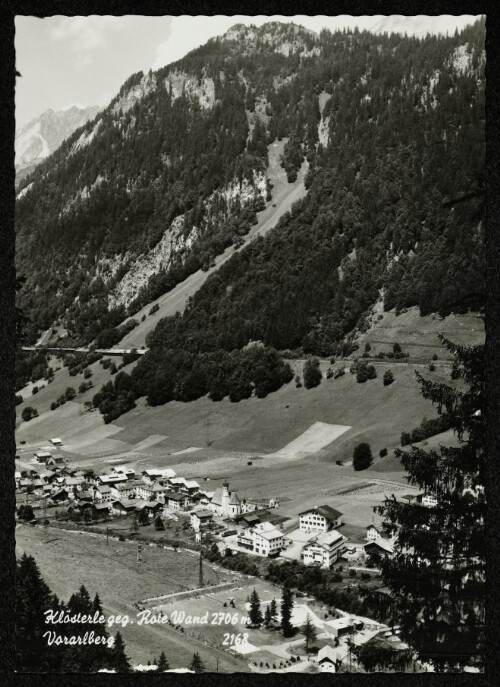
column 320, row 518
column 324, row 549
column 328, row 659
column 264, row 539
column 123, row 470
column 152, row 474
column 41, row 456
column 201, row 518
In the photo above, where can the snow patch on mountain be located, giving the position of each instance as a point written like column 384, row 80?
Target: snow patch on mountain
column 203, row 90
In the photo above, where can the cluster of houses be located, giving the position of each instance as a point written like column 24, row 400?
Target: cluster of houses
column 122, row 491
column 258, row 530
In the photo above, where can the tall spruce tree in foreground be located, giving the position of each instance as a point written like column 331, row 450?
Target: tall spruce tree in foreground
column 255, row 613
column 437, row 576
column 163, row 663
column 286, row 612
column 309, row 631
column 197, row 665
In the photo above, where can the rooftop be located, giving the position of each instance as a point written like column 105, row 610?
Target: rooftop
column 326, row 511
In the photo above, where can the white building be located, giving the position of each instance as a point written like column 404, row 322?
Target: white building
column 225, row 503
column 41, row 456
column 124, row 470
column 153, row 474
column 56, row 441
column 428, row 500
column 264, row 539
column 201, row 518
column 324, row 549
column 327, row 659
column 320, row 519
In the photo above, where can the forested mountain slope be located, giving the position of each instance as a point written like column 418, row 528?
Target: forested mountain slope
column 173, row 172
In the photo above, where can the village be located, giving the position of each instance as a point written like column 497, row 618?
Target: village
column 252, row 526
column 157, row 501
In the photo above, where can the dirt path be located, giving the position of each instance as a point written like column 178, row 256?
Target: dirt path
column 283, row 197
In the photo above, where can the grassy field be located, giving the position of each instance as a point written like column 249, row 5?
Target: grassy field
column 69, row 560
column 418, row 335
column 250, row 430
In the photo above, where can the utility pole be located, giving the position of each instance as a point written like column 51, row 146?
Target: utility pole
column 107, row 535
column 200, row 580
column 139, row 552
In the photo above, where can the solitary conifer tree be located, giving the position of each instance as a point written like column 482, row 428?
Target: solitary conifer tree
column 437, row 576
column 286, row 612
column 197, row 664
column 163, row 663
column 255, row 614
column 273, row 610
column 309, row 631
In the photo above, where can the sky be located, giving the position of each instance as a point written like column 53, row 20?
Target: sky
column 66, row 61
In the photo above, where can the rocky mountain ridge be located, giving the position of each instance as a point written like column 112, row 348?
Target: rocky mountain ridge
column 43, row 135
column 173, row 172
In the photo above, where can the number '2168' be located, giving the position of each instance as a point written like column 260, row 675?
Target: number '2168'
column 235, row 639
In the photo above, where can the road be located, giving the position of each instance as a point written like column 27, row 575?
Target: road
column 85, row 349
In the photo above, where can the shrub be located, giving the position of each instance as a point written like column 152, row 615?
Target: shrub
column 383, row 452
column 28, row 413
column 434, row 357
column 54, row 405
column 70, row 393
column 312, row 373
column 405, row 438
column 371, row 372
column 397, row 348
column 388, row 378
column 352, row 573
column 329, row 373
column 362, row 375
column 19, row 399
column 35, row 390
column 154, row 309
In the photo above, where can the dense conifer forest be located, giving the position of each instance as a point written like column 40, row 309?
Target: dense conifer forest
column 394, row 208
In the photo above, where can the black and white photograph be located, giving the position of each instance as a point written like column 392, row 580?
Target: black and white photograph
column 250, row 364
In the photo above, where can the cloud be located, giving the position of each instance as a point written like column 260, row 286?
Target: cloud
column 83, row 36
